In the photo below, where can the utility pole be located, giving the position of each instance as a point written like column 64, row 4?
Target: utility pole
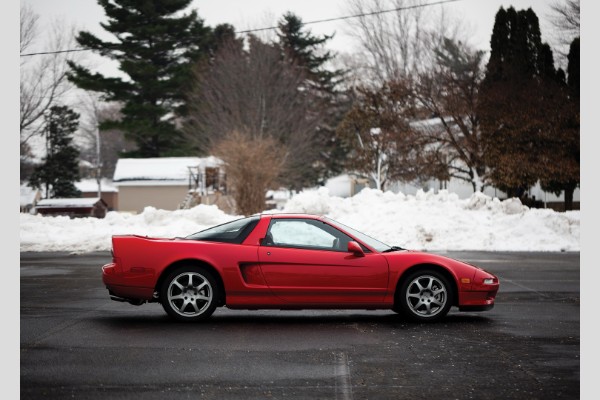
column 98, row 163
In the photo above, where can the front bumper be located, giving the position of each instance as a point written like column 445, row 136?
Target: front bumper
column 479, row 298
column 480, row 294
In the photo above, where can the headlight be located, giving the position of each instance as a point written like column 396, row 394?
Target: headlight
column 488, row 281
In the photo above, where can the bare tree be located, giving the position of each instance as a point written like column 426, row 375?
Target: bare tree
column 383, row 147
column 255, row 93
column 101, row 148
column 28, row 26
column 43, row 77
column 565, row 17
column 397, row 43
column 449, row 94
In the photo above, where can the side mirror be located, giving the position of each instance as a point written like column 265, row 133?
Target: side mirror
column 355, row 248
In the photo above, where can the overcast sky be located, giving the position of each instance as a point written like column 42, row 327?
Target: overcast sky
column 477, row 18
column 476, row 15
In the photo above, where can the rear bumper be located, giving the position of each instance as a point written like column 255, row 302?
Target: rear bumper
column 121, row 286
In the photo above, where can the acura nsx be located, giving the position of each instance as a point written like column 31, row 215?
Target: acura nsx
column 290, row 261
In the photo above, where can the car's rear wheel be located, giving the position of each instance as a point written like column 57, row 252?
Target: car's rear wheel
column 425, row 296
column 189, row 294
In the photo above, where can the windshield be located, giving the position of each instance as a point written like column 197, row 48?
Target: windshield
column 231, row 232
column 368, row 240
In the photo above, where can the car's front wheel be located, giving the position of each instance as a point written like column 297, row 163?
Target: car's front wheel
column 425, row 296
column 189, row 294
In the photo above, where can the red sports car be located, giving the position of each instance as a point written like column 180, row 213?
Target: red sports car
column 290, row 261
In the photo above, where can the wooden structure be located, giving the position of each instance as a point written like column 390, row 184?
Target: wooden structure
column 74, row 208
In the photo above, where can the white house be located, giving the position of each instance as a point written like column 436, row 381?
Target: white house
column 165, row 182
column 108, row 192
column 346, row 185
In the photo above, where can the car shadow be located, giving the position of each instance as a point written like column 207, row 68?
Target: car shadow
column 279, row 319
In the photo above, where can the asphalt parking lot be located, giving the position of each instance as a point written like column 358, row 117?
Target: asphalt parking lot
column 77, row 343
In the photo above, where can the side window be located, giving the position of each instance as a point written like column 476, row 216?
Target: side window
column 308, row 234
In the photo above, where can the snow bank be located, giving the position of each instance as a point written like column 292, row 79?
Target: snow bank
column 425, row 221
column 80, row 235
column 442, row 221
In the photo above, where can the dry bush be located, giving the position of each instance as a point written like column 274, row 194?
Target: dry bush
column 253, row 165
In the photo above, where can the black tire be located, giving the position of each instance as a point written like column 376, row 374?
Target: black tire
column 424, row 296
column 189, row 294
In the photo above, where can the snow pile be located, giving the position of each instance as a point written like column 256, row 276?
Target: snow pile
column 442, row 221
column 80, row 235
column 425, row 221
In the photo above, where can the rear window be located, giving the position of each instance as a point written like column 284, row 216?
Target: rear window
column 230, row 232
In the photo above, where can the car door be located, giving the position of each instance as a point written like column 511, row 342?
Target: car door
column 306, row 261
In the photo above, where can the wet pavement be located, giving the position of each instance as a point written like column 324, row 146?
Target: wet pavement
column 77, row 343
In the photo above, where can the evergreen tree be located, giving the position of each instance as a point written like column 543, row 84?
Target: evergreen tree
column 306, row 51
column 155, row 46
column 521, row 102
column 566, row 177
column 573, row 70
column 59, row 171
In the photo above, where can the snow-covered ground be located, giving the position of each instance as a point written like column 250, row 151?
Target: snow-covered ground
column 425, row 221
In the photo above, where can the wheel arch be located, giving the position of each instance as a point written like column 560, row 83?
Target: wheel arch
column 428, row 266
column 193, row 262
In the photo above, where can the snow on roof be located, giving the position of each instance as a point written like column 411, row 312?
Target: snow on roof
column 77, row 202
column 91, row 185
column 173, row 169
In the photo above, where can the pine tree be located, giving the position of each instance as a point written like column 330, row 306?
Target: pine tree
column 521, row 103
column 155, row 46
column 573, row 70
column 59, row 171
column 307, row 52
column 566, row 177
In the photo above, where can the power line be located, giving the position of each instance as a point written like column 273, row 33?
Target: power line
column 357, row 15
column 53, row 52
column 275, row 27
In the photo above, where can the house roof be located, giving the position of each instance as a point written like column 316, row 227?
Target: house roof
column 68, row 203
column 165, row 170
column 91, row 185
